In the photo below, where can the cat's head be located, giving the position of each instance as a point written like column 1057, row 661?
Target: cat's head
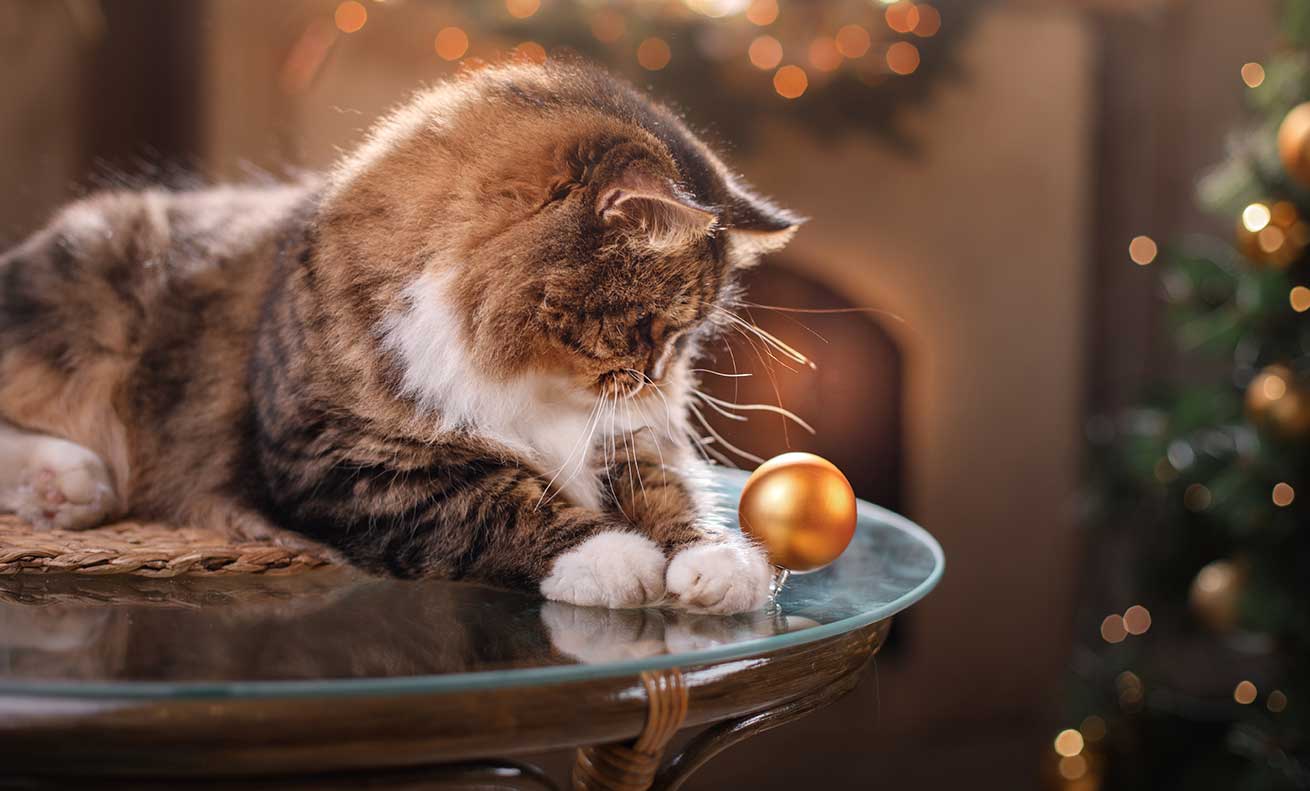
column 575, row 228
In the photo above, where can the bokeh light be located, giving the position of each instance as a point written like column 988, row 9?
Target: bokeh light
column 1299, row 296
column 1143, row 250
column 824, row 55
column 790, row 82
column 930, row 21
column 1273, row 386
column 1283, row 494
column 530, row 51
column 853, row 41
column 1256, row 217
column 1253, row 74
column 1197, row 497
column 903, row 57
column 654, row 54
column 765, row 52
column 1245, row 692
column 1137, row 619
column 762, row 12
column 451, row 43
column 1069, row 742
column 1112, row 629
column 350, row 16
column 1277, row 701
column 522, row 9
column 608, row 25
column 903, row 17
column 1072, row 767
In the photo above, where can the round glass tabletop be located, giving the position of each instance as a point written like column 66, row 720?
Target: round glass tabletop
column 339, row 632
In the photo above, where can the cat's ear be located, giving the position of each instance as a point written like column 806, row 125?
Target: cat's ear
column 654, row 205
column 755, row 225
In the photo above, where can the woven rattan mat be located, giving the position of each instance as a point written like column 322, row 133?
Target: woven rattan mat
column 143, row 549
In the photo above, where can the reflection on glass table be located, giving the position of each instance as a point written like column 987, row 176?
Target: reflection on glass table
column 279, row 651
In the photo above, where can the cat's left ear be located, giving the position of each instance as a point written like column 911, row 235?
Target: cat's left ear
column 756, row 225
column 650, row 203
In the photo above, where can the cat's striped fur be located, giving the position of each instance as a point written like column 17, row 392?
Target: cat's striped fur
column 464, row 352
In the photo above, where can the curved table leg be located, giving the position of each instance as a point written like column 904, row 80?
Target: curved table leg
column 632, row 766
column 718, row 738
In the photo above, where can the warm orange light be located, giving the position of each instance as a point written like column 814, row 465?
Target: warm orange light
column 1274, row 386
column 1112, row 629
column 930, row 21
column 903, row 17
column 451, row 43
column 1253, row 74
column 1069, row 742
column 350, row 16
column 790, row 82
column 824, row 55
column 1143, row 250
column 522, row 9
column 1245, row 692
column 1137, row 619
column 1073, row 767
column 800, row 508
column 853, row 41
column 530, row 51
column 608, row 26
column 903, row 57
column 1283, row 494
column 1300, row 298
column 765, row 52
column 1277, row 701
column 653, row 54
column 763, row 12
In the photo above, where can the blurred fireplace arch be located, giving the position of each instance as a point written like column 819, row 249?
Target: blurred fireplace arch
column 853, row 397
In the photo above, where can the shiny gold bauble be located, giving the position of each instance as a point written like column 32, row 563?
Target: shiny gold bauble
column 1278, row 401
column 1216, row 594
column 1294, row 143
column 1272, row 234
column 801, row 509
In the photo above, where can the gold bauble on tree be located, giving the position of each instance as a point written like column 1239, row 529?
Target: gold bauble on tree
column 1278, row 401
column 1272, row 234
column 1294, row 143
column 801, row 509
column 1216, row 594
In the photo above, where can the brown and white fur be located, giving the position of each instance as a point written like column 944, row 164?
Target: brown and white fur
column 466, row 351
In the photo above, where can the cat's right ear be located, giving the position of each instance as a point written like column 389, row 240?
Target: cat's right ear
column 756, row 225
column 655, row 206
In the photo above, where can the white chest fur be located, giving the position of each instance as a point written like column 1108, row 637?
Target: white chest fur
column 566, row 435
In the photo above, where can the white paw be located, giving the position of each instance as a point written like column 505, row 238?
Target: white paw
column 720, row 577
column 611, row 569
column 62, row 485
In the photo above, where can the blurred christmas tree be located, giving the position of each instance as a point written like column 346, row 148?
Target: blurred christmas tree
column 1206, row 487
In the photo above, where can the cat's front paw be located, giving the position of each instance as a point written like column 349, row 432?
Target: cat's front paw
column 64, row 486
column 610, row 569
column 726, row 577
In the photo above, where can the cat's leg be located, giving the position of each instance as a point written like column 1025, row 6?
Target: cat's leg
column 51, row 482
column 465, row 516
column 712, row 568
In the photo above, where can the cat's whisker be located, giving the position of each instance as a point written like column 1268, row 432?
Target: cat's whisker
column 595, row 410
column 777, row 410
column 668, row 426
column 768, row 338
column 719, row 373
column 586, row 449
column 719, row 456
column 773, row 379
column 721, row 410
column 719, row 437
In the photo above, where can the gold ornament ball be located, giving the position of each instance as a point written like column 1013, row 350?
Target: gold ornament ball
column 1279, row 401
column 1294, row 143
column 1272, row 234
column 801, row 509
column 1216, row 594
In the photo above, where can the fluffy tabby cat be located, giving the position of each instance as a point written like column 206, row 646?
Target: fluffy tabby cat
column 465, row 352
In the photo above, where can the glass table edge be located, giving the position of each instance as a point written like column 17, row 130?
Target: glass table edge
column 488, row 679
